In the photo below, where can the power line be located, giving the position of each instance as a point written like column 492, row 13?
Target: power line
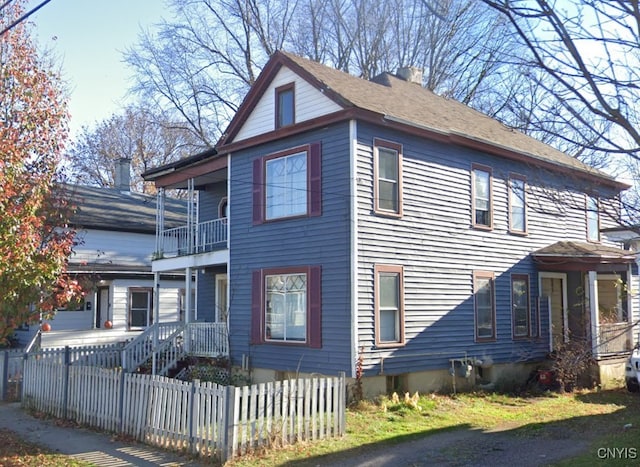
column 23, row 17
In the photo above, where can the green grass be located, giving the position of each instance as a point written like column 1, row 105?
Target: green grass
column 369, row 425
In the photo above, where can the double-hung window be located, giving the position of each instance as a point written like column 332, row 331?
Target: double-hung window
column 286, row 306
column 484, row 303
column 287, row 184
column 388, row 177
column 517, row 204
column 140, row 307
column 481, row 199
column 389, row 305
column 285, row 105
column 520, row 305
column 593, row 219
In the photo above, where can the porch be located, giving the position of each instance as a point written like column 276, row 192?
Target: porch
column 588, row 289
column 201, row 237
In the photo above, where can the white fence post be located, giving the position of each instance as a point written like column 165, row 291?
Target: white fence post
column 4, row 375
column 229, row 440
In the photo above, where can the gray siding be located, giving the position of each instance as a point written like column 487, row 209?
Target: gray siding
column 439, row 251
column 322, row 241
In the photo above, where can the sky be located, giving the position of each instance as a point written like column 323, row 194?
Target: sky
column 89, row 37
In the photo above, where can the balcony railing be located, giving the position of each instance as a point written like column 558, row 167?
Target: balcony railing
column 189, row 240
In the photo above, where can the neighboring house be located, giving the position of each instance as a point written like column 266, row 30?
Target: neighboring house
column 111, row 260
column 343, row 222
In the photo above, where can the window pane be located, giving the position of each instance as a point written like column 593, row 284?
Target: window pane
column 482, row 199
column 389, row 306
column 388, row 195
column 484, row 308
column 520, row 303
column 593, row 233
column 388, row 186
column 517, row 205
column 139, row 308
column 388, row 326
column 285, row 107
column 387, row 164
column 389, row 290
column 286, row 190
column 286, row 307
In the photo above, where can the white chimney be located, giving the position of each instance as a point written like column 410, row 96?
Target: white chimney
column 122, row 178
column 411, row 74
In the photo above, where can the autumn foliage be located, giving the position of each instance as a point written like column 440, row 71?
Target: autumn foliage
column 34, row 240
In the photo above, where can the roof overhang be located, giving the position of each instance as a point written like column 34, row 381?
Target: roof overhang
column 582, row 256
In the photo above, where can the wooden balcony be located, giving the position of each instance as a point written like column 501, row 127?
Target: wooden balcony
column 192, row 239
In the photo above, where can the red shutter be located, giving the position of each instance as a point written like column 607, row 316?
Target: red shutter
column 315, row 307
column 315, row 179
column 256, row 307
column 258, row 192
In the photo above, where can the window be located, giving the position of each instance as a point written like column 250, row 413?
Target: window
column 484, row 294
column 288, row 184
column 517, row 204
column 481, row 185
column 389, row 300
column 593, row 219
column 285, row 105
column 223, row 208
column 286, row 306
column 388, row 177
column 140, row 307
column 520, row 305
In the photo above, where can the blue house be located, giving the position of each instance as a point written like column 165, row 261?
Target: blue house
column 342, row 223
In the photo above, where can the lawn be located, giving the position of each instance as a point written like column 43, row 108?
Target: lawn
column 372, row 424
column 612, row 419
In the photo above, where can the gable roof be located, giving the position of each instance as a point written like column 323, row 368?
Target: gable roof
column 404, row 105
column 110, row 209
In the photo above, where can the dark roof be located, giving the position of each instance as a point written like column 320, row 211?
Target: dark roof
column 110, row 209
column 155, row 172
column 395, row 101
column 572, row 250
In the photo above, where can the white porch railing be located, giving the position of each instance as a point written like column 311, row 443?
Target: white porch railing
column 166, row 343
column 207, row 339
column 189, row 240
column 614, row 338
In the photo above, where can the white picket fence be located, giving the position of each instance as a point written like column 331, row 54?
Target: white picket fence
column 202, row 418
column 10, row 373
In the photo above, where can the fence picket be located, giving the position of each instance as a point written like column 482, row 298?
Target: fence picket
column 205, row 418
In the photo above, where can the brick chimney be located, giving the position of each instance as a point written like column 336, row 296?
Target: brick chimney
column 411, row 74
column 122, row 178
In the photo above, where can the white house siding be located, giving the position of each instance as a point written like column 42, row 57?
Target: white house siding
column 439, row 251
column 309, row 103
column 169, row 300
column 99, row 248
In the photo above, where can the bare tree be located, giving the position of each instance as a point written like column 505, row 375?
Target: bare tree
column 200, row 65
column 585, row 57
column 149, row 140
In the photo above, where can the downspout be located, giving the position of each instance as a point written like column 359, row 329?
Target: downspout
column 353, row 219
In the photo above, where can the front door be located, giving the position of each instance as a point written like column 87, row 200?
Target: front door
column 102, row 309
column 554, row 287
column 222, row 301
